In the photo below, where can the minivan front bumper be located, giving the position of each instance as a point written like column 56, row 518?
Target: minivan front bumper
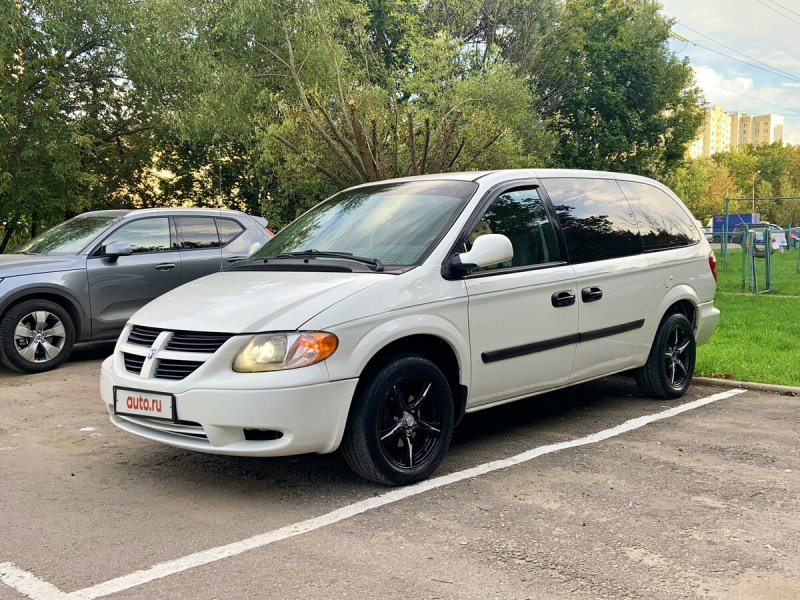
column 302, row 419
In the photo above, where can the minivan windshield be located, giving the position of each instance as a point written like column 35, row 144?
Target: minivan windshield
column 69, row 237
column 396, row 223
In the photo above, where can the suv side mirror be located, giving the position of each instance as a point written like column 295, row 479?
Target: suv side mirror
column 116, row 249
column 487, row 249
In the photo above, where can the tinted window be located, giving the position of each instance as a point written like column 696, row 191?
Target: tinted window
column 197, row 232
column 596, row 218
column 144, row 235
column 228, row 230
column 662, row 222
column 521, row 217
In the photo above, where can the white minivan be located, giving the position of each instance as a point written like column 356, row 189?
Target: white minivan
column 379, row 317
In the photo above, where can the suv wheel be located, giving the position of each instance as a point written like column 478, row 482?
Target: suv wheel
column 36, row 336
column 670, row 365
column 401, row 422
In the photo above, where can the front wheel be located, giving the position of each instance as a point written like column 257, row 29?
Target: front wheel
column 670, row 365
column 401, row 422
column 36, row 336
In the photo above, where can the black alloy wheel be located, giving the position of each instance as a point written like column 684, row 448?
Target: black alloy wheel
column 401, row 421
column 670, row 366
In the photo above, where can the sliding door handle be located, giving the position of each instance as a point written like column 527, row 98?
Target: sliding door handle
column 591, row 294
column 561, row 299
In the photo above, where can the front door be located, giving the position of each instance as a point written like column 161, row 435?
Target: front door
column 523, row 315
column 118, row 288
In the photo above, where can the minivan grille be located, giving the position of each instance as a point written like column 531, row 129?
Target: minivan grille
column 181, row 341
column 133, row 362
column 143, row 336
column 190, row 341
column 175, row 369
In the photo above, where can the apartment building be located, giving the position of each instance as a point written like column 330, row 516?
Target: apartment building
column 756, row 130
column 722, row 132
column 715, row 135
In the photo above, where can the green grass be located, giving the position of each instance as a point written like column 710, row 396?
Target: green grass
column 785, row 278
column 758, row 339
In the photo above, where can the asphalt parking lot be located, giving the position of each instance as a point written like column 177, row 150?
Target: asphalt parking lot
column 701, row 504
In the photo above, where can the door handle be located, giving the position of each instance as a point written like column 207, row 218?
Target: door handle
column 560, row 299
column 165, row 266
column 591, row 294
column 233, row 259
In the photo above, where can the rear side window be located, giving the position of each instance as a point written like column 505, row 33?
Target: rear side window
column 597, row 220
column 197, row 232
column 521, row 217
column 228, row 230
column 662, row 221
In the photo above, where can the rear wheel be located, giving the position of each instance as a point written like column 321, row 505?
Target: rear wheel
column 401, row 422
column 36, row 336
column 670, row 366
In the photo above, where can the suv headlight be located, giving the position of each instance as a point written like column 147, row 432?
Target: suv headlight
column 279, row 351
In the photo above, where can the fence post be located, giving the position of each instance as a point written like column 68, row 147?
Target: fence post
column 768, row 259
column 725, row 234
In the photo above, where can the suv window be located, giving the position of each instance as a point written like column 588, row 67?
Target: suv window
column 197, row 232
column 596, row 218
column 520, row 215
column 228, row 230
column 144, row 235
column 662, row 221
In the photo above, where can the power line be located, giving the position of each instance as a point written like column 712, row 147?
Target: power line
column 796, row 111
column 776, row 70
column 775, row 10
column 744, row 62
column 783, row 6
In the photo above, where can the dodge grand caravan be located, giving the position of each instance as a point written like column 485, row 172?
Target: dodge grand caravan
column 379, row 317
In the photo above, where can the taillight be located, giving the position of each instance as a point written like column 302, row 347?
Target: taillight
column 712, row 264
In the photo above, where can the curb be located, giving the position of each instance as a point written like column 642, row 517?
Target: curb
column 749, row 385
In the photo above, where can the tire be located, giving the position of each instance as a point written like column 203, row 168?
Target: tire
column 401, row 421
column 50, row 330
column 668, row 371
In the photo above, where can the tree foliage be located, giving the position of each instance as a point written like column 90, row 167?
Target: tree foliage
column 616, row 97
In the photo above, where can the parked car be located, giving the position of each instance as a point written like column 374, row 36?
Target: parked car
column 776, row 232
column 84, row 278
column 379, row 317
column 793, row 237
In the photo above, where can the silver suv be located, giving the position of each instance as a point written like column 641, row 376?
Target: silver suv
column 84, row 278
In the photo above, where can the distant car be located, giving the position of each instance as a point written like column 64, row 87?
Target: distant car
column 793, row 237
column 737, row 235
column 84, row 278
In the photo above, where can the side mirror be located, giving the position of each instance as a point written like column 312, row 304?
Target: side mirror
column 116, row 249
column 488, row 249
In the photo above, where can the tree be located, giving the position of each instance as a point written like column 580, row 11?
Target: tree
column 703, row 184
column 72, row 126
column 616, row 97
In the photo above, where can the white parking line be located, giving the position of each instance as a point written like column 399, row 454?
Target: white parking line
column 31, row 586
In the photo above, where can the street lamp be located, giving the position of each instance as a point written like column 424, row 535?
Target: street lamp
column 756, row 174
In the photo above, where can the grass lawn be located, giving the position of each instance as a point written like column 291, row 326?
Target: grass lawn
column 785, row 278
column 758, row 339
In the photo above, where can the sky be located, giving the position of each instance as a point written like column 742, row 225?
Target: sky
column 767, row 31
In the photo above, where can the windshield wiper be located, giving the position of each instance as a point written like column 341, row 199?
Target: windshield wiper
column 373, row 262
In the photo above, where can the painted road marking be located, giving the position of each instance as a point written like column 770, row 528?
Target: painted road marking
column 31, row 586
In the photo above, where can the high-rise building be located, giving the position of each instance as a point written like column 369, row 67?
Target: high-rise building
column 714, row 136
column 723, row 131
column 756, row 130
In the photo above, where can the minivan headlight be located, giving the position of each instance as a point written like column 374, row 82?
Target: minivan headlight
column 279, row 351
